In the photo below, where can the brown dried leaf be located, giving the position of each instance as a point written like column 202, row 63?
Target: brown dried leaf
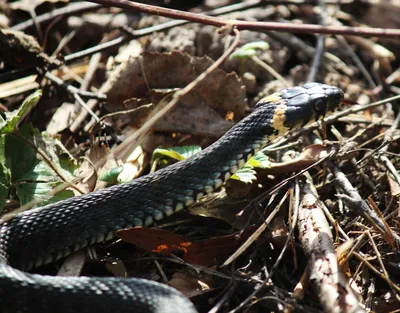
column 216, row 250
column 61, row 119
column 205, row 252
column 309, row 156
column 154, row 240
column 97, row 156
column 133, row 166
column 191, row 118
column 153, row 75
column 190, row 286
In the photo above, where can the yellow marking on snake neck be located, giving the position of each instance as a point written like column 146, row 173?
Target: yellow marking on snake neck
column 279, row 118
column 274, row 98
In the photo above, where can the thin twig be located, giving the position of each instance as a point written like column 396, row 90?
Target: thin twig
column 376, row 271
column 137, row 33
column 149, row 106
column 250, row 297
column 320, row 48
column 271, row 71
column 357, row 61
column 354, row 200
column 254, row 26
column 71, row 9
column 73, row 90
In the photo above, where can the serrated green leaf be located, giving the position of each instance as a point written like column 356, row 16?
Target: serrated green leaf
column 175, row 153
column 246, row 174
column 9, row 124
column 259, row 160
column 33, row 177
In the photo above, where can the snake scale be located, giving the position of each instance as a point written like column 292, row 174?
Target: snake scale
column 43, row 235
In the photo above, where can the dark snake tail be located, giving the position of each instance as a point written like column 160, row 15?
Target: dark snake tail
column 46, row 234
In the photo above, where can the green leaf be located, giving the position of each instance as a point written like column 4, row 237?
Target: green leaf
column 246, row 174
column 29, row 191
column 17, row 162
column 111, row 176
column 42, row 172
column 255, row 45
column 2, row 149
column 259, row 160
column 243, row 54
column 33, row 177
column 5, row 181
column 10, row 123
column 175, row 153
column 249, row 50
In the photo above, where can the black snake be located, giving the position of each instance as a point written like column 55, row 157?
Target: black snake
column 46, row 234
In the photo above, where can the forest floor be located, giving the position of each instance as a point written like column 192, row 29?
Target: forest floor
column 99, row 93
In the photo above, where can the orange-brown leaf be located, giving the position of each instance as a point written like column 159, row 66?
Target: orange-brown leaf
column 205, row 252
column 216, row 250
column 154, row 240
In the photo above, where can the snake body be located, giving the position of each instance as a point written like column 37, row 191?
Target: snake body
column 46, row 234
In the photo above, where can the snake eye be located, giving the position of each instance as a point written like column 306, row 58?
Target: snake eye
column 320, row 105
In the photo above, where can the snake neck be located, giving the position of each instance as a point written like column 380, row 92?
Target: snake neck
column 43, row 235
column 180, row 185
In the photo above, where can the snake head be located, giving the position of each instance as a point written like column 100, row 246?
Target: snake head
column 298, row 106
